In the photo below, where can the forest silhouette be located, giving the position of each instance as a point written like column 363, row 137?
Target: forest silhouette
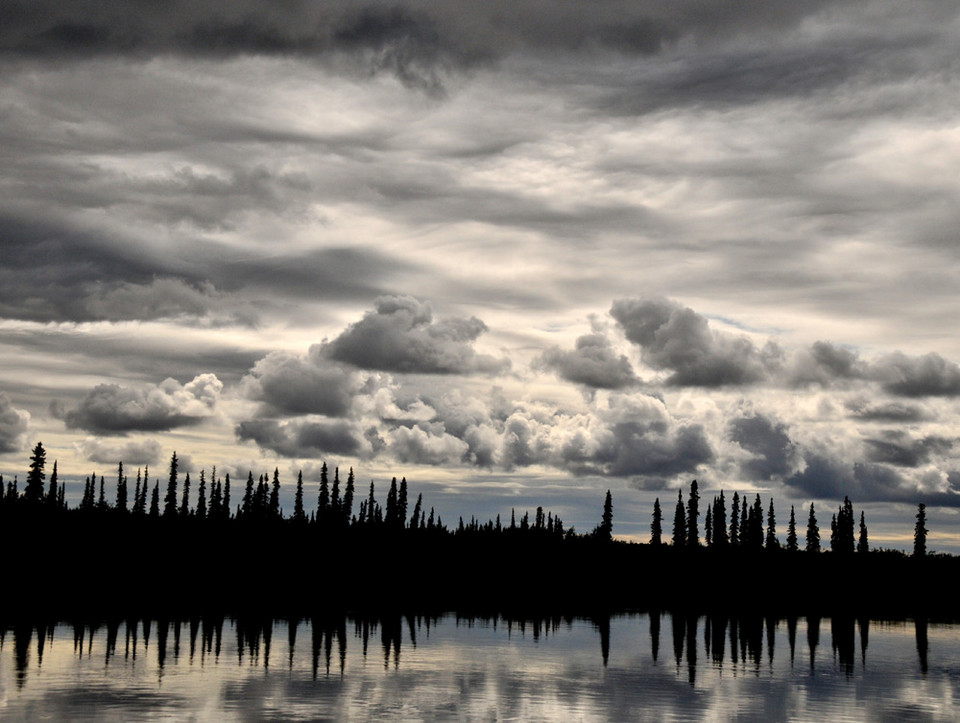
column 174, row 547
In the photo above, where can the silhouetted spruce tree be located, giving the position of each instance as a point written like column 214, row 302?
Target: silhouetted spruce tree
column 185, row 500
column 170, row 501
column 371, row 506
column 813, row 532
column 744, row 526
column 606, row 520
column 260, row 498
column 121, row 505
column 679, row 523
column 842, row 538
column 417, row 511
column 144, row 489
column 792, row 531
column 720, row 538
column 136, row 494
column 771, row 541
column 346, row 508
column 656, row 526
column 298, row 515
column 86, row 501
column 246, row 506
column 201, row 511
column 735, row 520
column 53, row 493
column 323, row 498
column 155, row 500
column 335, row 496
column 225, row 507
column 708, row 526
column 402, row 504
column 863, row 545
column 102, row 499
column 33, row 492
column 390, row 516
column 693, row 513
column 920, row 532
column 275, row 494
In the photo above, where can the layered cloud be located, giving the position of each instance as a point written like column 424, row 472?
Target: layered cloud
column 114, row 409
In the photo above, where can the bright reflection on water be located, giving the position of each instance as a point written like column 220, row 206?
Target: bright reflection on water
column 625, row 667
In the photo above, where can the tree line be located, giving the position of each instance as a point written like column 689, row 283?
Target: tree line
column 176, row 542
column 747, row 525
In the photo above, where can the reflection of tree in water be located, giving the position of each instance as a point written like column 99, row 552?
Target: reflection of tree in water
column 292, row 624
column 391, row 632
column 921, row 628
column 692, row 648
column 194, row 634
column 792, row 636
column 22, row 634
column 843, row 637
column 864, row 624
column 655, row 633
column 813, row 638
column 751, row 638
column 679, row 629
column 113, row 630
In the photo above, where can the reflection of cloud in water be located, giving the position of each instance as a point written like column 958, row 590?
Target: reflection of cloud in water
column 480, row 670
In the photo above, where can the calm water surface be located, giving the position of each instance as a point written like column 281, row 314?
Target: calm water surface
column 626, row 667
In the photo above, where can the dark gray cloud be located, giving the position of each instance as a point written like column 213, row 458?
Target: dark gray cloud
column 290, row 384
column 926, row 376
column 400, row 32
column 593, row 363
column 676, row 339
column 305, row 438
column 13, row 426
column 825, row 477
column 113, row 409
column 825, row 363
column 768, row 440
column 646, row 450
column 899, row 448
column 400, row 335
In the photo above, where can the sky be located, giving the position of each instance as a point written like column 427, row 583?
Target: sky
column 519, row 253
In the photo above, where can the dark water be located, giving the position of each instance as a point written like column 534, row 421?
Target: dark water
column 626, row 667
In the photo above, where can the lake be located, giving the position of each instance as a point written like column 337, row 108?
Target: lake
column 640, row 666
